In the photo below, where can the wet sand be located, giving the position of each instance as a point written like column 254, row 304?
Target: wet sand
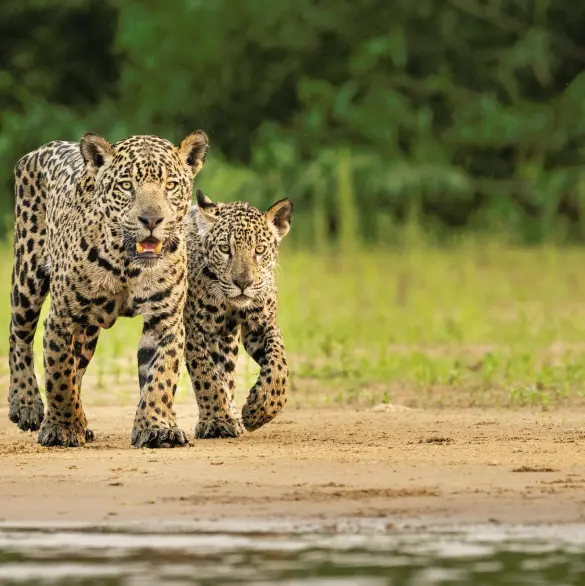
column 452, row 466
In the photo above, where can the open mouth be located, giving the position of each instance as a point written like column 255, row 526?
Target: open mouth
column 149, row 247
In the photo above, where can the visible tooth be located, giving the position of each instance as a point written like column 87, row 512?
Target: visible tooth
column 158, row 247
column 139, row 248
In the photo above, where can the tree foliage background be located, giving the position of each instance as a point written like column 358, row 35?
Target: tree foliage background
column 462, row 114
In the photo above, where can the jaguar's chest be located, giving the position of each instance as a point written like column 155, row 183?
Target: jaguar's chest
column 99, row 308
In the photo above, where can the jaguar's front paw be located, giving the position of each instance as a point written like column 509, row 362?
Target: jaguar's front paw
column 255, row 415
column 162, row 437
column 214, row 427
column 68, row 435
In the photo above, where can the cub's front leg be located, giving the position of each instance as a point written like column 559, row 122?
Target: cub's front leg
column 264, row 344
column 160, row 355
column 211, row 362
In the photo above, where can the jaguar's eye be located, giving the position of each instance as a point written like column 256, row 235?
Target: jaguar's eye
column 224, row 248
column 171, row 185
column 260, row 249
column 126, row 185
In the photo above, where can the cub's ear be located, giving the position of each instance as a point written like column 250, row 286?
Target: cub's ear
column 279, row 217
column 96, row 151
column 206, row 212
column 193, row 150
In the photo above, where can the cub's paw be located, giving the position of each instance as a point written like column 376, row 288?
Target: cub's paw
column 69, row 435
column 28, row 416
column 214, row 427
column 255, row 416
column 165, row 437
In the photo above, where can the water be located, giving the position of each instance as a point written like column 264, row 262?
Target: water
column 368, row 552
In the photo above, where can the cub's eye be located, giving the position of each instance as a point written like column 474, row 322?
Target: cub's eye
column 224, row 248
column 127, row 185
column 171, row 185
column 260, row 249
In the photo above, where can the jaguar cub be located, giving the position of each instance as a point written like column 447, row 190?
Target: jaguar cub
column 232, row 252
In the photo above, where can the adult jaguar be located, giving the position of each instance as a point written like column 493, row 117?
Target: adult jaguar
column 232, row 251
column 100, row 227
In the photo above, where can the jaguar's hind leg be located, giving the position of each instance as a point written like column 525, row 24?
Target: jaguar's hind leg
column 30, row 285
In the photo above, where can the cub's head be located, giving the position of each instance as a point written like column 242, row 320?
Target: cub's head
column 144, row 184
column 240, row 244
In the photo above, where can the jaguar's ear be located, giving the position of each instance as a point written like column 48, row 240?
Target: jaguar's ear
column 279, row 217
column 193, row 150
column 96, row 151
column 206, row 212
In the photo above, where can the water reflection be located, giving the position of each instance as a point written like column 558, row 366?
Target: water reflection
column 357, row 553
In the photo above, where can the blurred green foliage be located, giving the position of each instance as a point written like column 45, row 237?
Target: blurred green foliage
column 461, row 114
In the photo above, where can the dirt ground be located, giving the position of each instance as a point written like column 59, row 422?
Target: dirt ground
column 476, row 466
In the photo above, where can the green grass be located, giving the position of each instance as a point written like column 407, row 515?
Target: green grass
column 474, row 325
column 478, row 324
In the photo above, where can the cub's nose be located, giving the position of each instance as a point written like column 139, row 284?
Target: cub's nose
column 150, row 221
column 243, row 282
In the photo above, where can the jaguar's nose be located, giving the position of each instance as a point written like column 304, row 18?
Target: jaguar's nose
column 243, row 282
column 150, row 221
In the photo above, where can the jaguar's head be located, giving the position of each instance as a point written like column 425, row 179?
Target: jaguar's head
column 145, row 184
column 240, row 244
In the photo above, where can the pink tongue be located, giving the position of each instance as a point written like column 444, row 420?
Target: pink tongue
column 148, row 246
